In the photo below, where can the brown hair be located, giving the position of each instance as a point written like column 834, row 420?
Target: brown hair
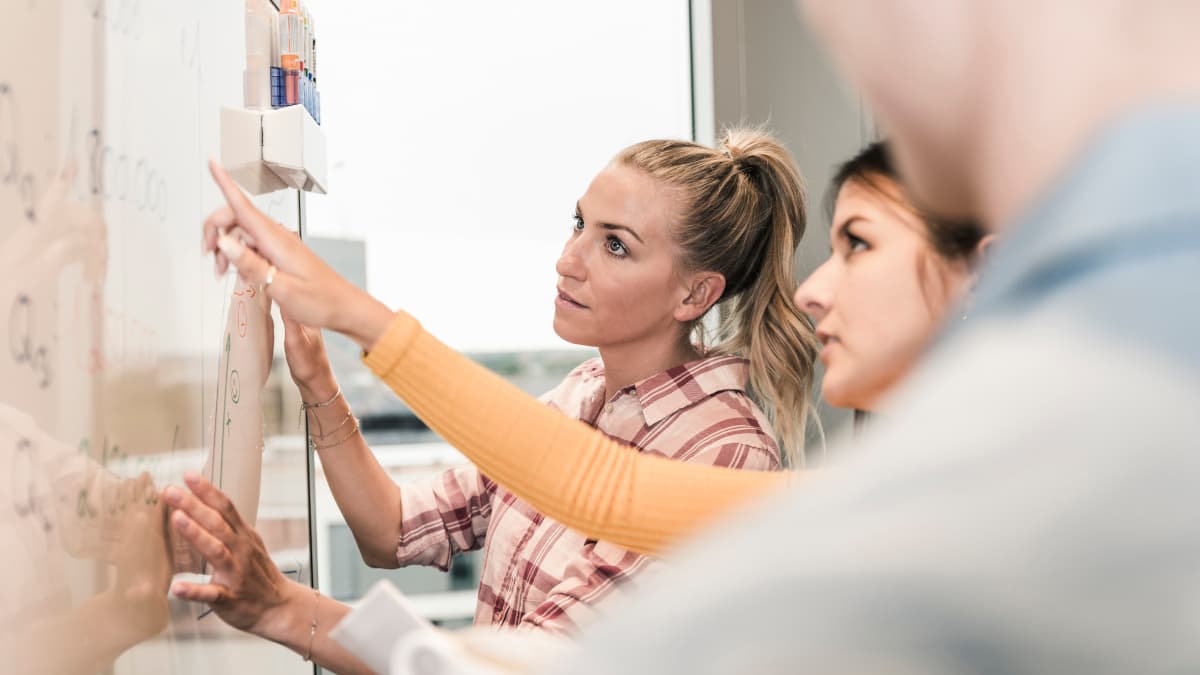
column 743, row 216
column 953, row 240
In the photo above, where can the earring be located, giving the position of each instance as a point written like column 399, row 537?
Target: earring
column 968, row 303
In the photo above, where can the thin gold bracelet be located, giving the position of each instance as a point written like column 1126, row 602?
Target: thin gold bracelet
column 312, row 633
column 322, row 434
column 354, row 429
column 305, row 406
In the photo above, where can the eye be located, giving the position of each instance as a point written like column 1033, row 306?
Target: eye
column 856, row 244
column 853, row 242
column 578, row 223
column 615, row 246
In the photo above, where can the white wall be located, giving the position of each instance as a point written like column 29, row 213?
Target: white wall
column 767, row 67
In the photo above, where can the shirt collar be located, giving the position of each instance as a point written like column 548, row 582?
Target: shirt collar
column 1138, row 177
column 666, row 393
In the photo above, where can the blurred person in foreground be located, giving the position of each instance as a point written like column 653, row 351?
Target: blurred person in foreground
column 1028, row 505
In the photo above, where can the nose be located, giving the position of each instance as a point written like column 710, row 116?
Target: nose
column 815, row 295
column 571, row 264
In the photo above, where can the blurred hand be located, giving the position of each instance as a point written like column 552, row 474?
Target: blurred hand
column 303, row 285
column 307, row 360
column 65, row 232
column 247, row 590
column 143, row 563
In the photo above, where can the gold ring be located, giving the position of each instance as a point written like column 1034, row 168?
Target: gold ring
column 270, row 277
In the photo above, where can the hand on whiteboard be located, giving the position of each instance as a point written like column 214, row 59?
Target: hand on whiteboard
column 65, row 233
column 246, row 587
column 143, row 564
column 310, row 291
column 306, row 358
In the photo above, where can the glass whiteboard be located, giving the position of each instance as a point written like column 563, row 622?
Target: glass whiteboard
column 125, row 361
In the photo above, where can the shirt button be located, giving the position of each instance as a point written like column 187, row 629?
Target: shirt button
column 608, row 408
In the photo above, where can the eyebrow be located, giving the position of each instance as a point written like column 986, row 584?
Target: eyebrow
column 611, row 226
column 836, row 229
column 839, row 229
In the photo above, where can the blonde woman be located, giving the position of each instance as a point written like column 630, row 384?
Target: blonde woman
column 664, row 233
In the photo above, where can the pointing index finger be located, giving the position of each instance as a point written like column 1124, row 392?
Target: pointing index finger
column 268, row 236
column 233, row 194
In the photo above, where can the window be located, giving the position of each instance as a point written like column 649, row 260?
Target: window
column 460, row 136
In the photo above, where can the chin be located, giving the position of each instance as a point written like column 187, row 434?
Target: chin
column 838, row 395
column 572, row 334
column 837, row 400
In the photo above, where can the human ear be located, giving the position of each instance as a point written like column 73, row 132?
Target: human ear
column 704, row 289
column 983, row 249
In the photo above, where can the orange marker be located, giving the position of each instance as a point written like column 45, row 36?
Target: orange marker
column 290, row 37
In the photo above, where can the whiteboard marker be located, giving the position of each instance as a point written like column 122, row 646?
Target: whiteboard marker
column 289, row 49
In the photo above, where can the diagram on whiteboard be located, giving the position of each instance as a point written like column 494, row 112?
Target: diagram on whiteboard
column 123, row 362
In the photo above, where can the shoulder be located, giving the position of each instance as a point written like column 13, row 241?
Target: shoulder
column 578, row 385
column 943, row 474
column 700, row 412
column 726, row 428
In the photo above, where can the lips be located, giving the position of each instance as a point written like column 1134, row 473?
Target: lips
column 828, row 342
column 565, row 297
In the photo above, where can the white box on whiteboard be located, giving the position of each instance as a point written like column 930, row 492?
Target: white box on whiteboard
column 294, row 147
column 241, row 151
column 269, row 150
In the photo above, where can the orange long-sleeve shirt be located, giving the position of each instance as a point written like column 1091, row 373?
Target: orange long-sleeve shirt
column 561, row 466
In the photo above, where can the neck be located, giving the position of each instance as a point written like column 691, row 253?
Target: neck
column 1044, row 98
column 628, row 363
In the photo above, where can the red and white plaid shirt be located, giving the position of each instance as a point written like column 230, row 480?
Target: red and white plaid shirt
column 539, row 574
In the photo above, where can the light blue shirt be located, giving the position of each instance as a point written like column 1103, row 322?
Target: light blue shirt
column 1032, row 501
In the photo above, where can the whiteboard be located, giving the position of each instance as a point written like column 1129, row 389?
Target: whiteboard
column 125, row 361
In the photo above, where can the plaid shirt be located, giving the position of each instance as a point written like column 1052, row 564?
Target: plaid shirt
column 537, row 573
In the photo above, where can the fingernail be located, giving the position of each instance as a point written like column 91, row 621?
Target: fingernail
column 232, row 248
column 171, row 494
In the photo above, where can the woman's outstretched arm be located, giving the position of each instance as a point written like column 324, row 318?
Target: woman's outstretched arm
column 562, row 467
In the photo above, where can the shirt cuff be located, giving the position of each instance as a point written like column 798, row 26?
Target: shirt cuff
column 386, row 353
